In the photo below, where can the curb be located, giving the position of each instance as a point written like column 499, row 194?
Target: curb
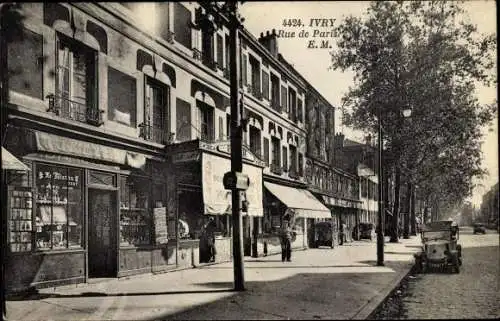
column 371, row 307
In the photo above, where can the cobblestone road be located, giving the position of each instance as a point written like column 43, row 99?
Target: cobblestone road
column 473, row 293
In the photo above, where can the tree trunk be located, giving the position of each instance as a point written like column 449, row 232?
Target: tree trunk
column 406, row 227
column 395, row 213
column 385, row 187
column 413, row 227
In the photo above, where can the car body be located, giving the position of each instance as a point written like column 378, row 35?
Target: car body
column 366, row 231
column 323, row 234
column 479, row 228
column 440, row 248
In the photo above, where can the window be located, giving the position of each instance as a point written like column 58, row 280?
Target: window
column 183, row 120
column 255, row 77
column 207, row 130
column 182, row 25
column 156, row 103
column 122, row 97
column 255, row 141
column 265, row 85
column 275, row 92
column 228, row 126
column 207, row 49
column 293, row 158
column 221, row 128
column 220, row 51
column 76, row 81
column 266, row 151
column 163, row 13
column 135, row 218
column 285, row 159
column 292, row 104
column 276, row 151
column 26, row 65
column 284, row 99
column 301, row 164
column 300, row 114
column 59, row 210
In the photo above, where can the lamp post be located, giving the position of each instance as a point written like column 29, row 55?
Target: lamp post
column 380, row 223
column 406, row 227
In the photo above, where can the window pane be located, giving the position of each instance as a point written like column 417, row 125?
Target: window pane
column 266, row 150
column 59, row 207
column 75, row 208
column 122, row 102
column 220, row 50
column 265, row 84
column 43, row 221
column 135, row 219
column 182, row 28
column 26, row 65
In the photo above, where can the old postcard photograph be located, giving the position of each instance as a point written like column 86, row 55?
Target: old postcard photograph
column 249, row 160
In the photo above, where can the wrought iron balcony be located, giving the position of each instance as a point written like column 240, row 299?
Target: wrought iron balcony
column 73, row 110
column 154, row 134
column 170, row 36
column 276, row 169
column 255, row 92
column 196, row 54
column 275, row 104
column 226, row 73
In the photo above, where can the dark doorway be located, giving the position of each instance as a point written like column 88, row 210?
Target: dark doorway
column 102, row 233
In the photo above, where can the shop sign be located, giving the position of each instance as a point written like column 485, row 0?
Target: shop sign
column 185, row 157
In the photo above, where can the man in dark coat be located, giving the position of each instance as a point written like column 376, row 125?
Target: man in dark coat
column 286, row 240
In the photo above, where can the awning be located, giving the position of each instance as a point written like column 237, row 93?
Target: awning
column 300, row 200
column 67, row 146
column 216, row 199
column 10, row 162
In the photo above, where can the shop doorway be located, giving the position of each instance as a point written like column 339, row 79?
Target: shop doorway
column 102, row 233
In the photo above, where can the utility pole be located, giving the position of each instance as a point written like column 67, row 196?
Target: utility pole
column 236, row 146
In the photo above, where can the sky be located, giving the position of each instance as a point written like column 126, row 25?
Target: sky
column 313, row 63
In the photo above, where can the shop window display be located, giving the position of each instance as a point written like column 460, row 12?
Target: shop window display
column 59, row 204
column 135, row 216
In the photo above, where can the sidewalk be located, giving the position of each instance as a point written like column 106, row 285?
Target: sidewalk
column 340, row 283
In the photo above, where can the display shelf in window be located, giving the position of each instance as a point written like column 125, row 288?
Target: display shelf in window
column 134, row 227
column 20, row 219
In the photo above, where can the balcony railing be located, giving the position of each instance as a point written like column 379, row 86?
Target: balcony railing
column 154, row 134
column 196, row 54
column 73, row 110
column 275, row 104
column 276, row 169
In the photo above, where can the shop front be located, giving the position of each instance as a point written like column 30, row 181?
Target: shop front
column 345, row 215
column 199, row 200
column 300, row 204
column 83, row 210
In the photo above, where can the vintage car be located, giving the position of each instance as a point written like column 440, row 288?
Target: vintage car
column 479, row 228
column 323, row 234
column 439, row 247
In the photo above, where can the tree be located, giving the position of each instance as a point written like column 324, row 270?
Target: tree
column 425, row 56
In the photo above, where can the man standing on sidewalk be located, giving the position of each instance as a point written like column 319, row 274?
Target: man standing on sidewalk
column 286, row 239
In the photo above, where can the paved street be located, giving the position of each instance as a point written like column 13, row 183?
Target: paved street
column 473, row 293
column 340, row 283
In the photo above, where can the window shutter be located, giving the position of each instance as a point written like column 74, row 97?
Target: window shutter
column 301, row 164
column 220, row 50
column 221, row 128
column 266, row 150
column 265, row 85
column 284, row 99
column 299, row 111
column 285, row 159
column 244, row 69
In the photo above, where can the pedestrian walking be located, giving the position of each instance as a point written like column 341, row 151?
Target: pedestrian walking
column 286, row 240
column 210, row 235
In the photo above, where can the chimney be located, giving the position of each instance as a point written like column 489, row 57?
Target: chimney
column 338, row 141
column 270, row 42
